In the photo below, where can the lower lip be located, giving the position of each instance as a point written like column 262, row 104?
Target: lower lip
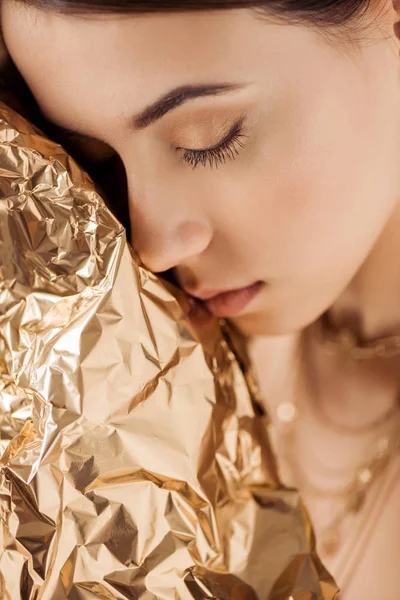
column 232, row 303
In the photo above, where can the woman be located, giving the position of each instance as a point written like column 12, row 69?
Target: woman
column 261, row 147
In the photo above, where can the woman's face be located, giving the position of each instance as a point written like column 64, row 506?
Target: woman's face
column 307, row 185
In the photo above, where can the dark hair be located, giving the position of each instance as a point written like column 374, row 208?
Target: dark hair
column 334, row 14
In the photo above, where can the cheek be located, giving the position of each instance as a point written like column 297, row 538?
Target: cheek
column 306, row 214
column 319, row 190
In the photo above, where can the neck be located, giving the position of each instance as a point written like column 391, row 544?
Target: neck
column 370, row 305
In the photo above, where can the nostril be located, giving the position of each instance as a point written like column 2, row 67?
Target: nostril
column 187, row 279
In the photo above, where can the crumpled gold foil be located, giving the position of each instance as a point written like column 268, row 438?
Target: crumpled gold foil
column 135, row 458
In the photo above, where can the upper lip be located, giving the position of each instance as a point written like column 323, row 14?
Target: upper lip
column 208, row 294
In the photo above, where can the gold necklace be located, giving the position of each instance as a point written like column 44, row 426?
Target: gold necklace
column 354, row 494
column 345, row 341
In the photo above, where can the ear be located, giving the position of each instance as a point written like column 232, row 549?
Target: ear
column 384, row 19
column 385, row 10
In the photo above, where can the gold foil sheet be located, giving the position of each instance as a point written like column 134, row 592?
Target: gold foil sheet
column 135, row 461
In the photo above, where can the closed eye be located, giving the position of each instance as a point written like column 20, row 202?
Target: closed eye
column 218, row 154
column 99, row 152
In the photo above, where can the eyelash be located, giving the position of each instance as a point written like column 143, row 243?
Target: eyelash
column 218, row 154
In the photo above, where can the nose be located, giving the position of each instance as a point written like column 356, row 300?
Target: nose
column 166, row 235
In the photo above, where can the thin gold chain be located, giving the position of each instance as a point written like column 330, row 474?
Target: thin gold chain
column 345, row 342
column 353, row 494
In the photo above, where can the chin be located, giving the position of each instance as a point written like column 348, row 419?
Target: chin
column 271, row 324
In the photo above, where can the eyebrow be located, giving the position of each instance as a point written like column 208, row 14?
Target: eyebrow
column 177, row 97
column 167, row 103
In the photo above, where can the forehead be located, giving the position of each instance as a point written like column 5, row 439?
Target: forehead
column 94, row 64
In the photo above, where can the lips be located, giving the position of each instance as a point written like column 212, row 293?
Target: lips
column 232, row 302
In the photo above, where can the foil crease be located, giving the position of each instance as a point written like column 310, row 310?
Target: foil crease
column 135, row 460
